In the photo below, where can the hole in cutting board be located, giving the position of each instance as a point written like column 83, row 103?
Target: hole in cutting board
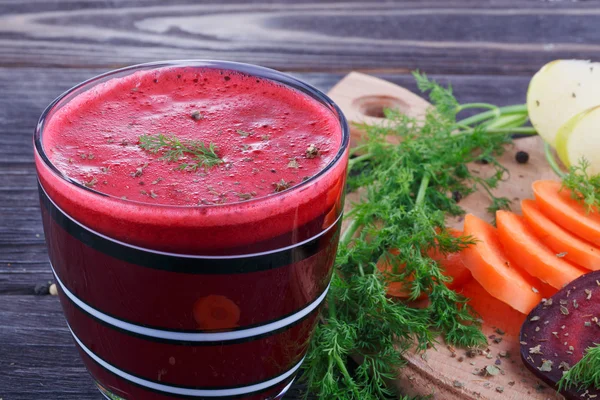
column 373, row 106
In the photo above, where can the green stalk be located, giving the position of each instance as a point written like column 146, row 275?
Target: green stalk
column 358, row 159
column 516, row 109
column 521, row 130
column 552, row 161
column 507, row 121
column 331, row 305
column 347, row 235
column 361, row 269
column 422, row 190
column 349, row 380
column 476, row 105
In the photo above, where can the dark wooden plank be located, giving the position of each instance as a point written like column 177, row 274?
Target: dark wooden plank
column 24, row 283
column 442, row 36
column 31, row 258
column 39, row 359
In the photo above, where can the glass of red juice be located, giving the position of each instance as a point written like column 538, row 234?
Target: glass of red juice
column 192, row 212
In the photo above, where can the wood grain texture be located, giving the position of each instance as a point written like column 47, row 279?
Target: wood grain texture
column 443, row 36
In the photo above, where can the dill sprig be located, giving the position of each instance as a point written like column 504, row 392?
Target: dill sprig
column 407, row 190
column 584, row 374
column 174, row 149
column 582, row 185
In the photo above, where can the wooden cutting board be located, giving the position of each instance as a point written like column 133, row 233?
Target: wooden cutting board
column 444, row 372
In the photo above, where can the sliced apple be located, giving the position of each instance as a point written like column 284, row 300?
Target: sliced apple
column 560, row 90
column 579, row 138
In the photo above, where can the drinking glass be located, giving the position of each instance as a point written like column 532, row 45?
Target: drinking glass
column 205, row 301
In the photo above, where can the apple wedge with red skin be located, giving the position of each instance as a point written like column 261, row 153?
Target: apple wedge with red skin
column 558, row 331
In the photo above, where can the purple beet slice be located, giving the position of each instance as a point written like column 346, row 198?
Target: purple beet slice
column 557, row 332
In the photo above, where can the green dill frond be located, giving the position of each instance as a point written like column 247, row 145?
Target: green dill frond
column 407, row 191
column 174, row 149
column 441, row 97
column 498, row 203
column 583, row 186
column 584, row 374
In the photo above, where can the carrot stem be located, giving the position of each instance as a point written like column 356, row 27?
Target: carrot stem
column 476, row 105
column 525, row 130
column 496, row 112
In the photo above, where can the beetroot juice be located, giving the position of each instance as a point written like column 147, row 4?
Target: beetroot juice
column 192, row 212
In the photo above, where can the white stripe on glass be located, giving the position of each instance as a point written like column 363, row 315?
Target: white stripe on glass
column 185, row 391
column 105, row 395
column 192, row 336
column 192, row 256
column 285, row 389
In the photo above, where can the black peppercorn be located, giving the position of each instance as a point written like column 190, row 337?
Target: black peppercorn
column 456, row 196
column 522, row 157
column 41, row 289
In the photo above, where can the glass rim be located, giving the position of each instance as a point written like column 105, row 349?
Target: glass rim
column 244, row 68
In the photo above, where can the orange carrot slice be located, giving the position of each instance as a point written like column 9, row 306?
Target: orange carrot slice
column 526, row 250
column 216, row 312
column 558, row 205
column 454, row 267
column 452, row 264
column 490, row 267
column 561, row 241
column 395, row 289
column 493, row 312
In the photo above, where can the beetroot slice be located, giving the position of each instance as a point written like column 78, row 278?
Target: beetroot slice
column 557, row 332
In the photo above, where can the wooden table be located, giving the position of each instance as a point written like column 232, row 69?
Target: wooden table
column 487, row 49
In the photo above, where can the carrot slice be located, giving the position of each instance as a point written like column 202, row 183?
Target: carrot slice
column 561, row 241
column 454, row 267
column 490, row 267
column 493, row 312
column 395, row 289
column 452, row 264
column 558, row 205
column 526, row 250
column 216, row 312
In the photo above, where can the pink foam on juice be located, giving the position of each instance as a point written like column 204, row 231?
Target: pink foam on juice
column 269, row 138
